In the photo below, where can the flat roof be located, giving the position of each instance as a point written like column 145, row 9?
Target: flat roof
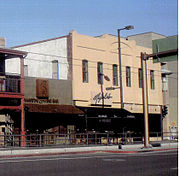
column 41, row 41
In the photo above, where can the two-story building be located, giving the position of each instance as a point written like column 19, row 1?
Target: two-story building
column 11, row 95
column 82, row 72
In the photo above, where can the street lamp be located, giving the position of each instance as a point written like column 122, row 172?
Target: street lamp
column 129, row 27
column 102, row 92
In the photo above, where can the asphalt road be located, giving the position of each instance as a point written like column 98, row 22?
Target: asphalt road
column 99, row 164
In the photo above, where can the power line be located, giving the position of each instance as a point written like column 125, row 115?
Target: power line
column 27, row 58
column 78, row 59
column 95, row 67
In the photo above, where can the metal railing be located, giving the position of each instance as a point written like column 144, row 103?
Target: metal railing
column 10, row 85
column 41, row 140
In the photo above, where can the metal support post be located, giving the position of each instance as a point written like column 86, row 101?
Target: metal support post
column 22, row 105
column 145, row 99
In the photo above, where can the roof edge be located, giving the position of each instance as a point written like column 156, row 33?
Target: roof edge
column 41, row 41
column 146, row 33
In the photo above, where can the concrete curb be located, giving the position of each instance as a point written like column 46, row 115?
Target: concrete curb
column 140, row 146
column 54, row 151
column 127, row 149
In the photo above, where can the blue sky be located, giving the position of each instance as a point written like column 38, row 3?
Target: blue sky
column 25, row 21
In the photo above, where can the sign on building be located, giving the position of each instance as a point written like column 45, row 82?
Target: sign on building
column 98, row 98
column 42, row 88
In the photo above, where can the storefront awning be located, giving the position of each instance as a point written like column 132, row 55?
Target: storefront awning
column 51, row 108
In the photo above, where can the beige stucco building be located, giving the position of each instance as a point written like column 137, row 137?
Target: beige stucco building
column 104, row 49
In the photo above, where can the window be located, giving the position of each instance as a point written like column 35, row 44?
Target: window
column 25, row 70
column 55, row 69
column 100, row 73
column 140, row 77
column 152, row 79
column 164, row 83
column 85, row 71
column 115, row 75
column 128, row 76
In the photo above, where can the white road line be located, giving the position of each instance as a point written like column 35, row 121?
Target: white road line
column 114, row 160
column 175, row 168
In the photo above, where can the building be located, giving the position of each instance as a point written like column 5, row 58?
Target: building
column 146, row 39
column 2, row 42
column 11, row 95
column 161, row 43
column 170, row 77
column 85, row 69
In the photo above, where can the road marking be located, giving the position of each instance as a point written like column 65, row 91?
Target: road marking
column 157, row 154
column 175, row 168
column 50, row 159
column 114, row 160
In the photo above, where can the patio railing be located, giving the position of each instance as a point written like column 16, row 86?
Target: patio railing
column 10, row 85
column 41, row 140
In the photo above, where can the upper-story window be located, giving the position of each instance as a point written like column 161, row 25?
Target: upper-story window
column 100, row 72
column 115, row 75
column 164, row 83
column 152, row 79
column 55, row 70
column 85, row 71
column 25, row 70
column 140, row 78
column 128, row 76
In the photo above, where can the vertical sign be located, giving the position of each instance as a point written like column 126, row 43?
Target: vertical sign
column 42, row 88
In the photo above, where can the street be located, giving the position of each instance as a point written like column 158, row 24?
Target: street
column 99, row 164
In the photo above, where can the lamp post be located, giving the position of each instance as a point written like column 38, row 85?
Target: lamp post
column 102, row 92
column 129, row 27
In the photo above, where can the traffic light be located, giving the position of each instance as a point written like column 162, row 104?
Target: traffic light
column 164, row 111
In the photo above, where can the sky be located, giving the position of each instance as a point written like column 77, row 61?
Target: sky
column 25, row 21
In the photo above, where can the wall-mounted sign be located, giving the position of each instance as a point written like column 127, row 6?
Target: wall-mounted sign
column 41, row 101
column 101, row 99
column 42, row 88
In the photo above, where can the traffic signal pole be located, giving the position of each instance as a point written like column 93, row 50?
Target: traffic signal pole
column 144, row 58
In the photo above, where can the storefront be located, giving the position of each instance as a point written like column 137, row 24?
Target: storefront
column 119, row 121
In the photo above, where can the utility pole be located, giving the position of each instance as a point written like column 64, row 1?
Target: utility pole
column 144, row 58
column 145, row 99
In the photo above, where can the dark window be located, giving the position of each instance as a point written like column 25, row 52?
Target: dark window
column 140, row 78
column 152, row 79
column 85, row 71
column 128, row 76
column 100, row 73
column 115, row 75
column 55, row 69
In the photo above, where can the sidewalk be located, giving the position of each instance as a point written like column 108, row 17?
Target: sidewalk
column 25, row 152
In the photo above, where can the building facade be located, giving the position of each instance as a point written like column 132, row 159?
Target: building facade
column 170, row 78
column 101, row 57
column 11, row 95
column 90, row 68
